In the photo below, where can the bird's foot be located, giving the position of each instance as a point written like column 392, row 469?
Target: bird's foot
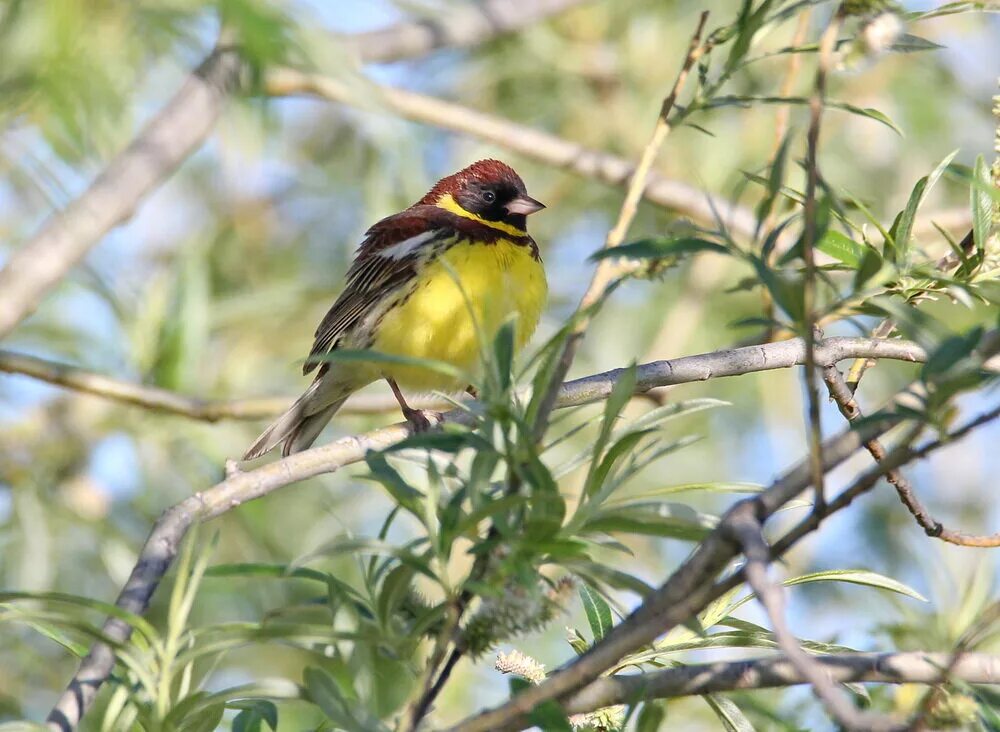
column 421, row 420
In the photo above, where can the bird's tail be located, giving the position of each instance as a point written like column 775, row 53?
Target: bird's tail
column 299, row 427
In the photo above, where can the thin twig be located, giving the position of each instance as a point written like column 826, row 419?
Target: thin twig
column 840, row 392
column 157, row 399
column 608, row 270
column 749, row 533
column 817, row 101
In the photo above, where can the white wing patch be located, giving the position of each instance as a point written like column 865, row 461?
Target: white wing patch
column 407, row 246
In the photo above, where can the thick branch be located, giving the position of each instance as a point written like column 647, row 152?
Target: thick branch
column 463, row 26
column 783, row 354
column 532, row 143
column 184, row 123
column 887, row 668
column 116, row 193
column 170, row 402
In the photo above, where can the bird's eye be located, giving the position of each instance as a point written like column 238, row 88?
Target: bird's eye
column 489, row 196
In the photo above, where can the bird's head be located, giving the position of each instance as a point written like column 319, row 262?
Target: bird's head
column 487, row 190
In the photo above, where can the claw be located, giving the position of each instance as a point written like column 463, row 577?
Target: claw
column 421, row 420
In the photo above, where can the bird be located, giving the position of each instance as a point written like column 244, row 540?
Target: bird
column 426, row 283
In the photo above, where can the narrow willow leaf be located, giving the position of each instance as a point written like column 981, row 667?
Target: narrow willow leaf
column 857, row 577
column 598, row 612
column 748, row 100
column 659, row 248
column 983, row 204
column 733, row 720
column 664, row 491
column 255, row 713
column 775, row 181
column 651, row 717
column 670, row 520
column 842, row 248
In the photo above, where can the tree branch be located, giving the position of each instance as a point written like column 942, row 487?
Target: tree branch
column 749, row 532
column 817, row 101
column 532, row 143
column 463, row 26
column 915, row 667
column 732, row 362
column 161, row 546
column 180, row 127
column 842, row 394
column 184, row 123
column 170, row 402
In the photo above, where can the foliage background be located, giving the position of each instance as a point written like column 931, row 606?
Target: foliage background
column 213, row 289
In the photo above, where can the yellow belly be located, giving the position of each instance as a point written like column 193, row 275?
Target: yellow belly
column 445, row 321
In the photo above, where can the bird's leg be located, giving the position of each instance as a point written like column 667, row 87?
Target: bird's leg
column 472, row 391
column 417, row 418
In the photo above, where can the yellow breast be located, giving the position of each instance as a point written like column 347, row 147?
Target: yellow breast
column 459, row 301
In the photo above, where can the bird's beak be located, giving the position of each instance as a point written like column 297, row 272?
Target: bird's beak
column 524, row 205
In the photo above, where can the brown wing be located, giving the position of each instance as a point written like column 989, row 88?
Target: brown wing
column 386, row 260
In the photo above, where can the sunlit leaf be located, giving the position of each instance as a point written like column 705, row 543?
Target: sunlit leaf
column 983, row 205
column 660, row 248
column 598, row 612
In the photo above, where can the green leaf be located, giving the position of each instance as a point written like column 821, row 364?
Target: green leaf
column 775, row 181
column 597, row 574
column 732, row 718
column 394, row 589
column 951, row 351
column 324, row 691
column 747, row 24
column 869, row 266
column 748, row 100
column 205, row 720
column 255, row 712
column 785, row 290
column 651, row 717
column 908, row 43
column 842, row 248
column 404, row 494
column 377, row 547
column 671, row 520
column 914, row 323
column 659, row 248
column 983, row 204
column 671, row 490
column 503, row 353
column 857, row 577
column 902, row 227
column 598, row 612
column 621, row 448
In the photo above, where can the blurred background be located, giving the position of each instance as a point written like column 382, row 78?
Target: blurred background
column 214, row 287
